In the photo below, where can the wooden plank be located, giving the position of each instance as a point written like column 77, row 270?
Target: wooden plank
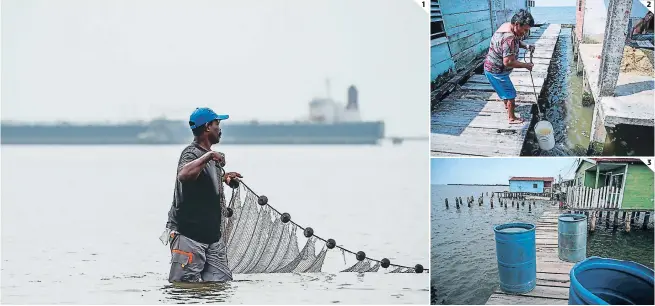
column 553, row 277
column 544, row 292
column 552, row 284
column 546, row 241
column 517, row 80
column 482, row 107
column 487, row 121
column 504, row 299
column 447, row 154
column 554, row 267
column 487, row 87
column 477, row 144
column 489, row 96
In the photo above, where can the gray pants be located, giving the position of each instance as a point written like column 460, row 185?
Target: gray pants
column 192, row 261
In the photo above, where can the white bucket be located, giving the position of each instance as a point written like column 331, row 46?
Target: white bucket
column 545, row 135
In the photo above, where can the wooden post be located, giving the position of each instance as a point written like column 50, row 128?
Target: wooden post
column 627, row 225
column 646, row 217
column 447, row 202
column 624, row 216
column 457, row 205
column 632, row 218
column 616, row 220
column 607, row 217
column 592, row 223
column 512, row 203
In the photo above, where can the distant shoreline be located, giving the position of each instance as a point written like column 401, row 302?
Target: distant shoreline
column 499, row 185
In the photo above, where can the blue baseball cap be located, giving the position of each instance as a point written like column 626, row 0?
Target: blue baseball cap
column 204, row 115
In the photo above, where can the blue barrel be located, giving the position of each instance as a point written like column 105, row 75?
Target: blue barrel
column 606, row 281
column 516, row 252
column 572, row 237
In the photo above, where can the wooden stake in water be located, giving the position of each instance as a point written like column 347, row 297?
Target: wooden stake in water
column 627, row 225
column 646, row 217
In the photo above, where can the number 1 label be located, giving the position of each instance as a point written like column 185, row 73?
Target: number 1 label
column 425, row 5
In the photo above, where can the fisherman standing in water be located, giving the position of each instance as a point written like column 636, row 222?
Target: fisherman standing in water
column 198, row 254
column 502, row 58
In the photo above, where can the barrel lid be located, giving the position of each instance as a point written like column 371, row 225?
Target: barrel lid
column 572, row 217
column 514, row 228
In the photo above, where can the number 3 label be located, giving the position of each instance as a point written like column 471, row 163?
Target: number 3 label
column 649, row 162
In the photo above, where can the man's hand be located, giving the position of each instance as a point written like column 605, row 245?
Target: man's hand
column 231, row 175
column 529, row 66
column 530, row 48
column 215, row 156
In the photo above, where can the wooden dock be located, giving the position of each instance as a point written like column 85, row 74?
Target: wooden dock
column 472, row 120
column 552, row 273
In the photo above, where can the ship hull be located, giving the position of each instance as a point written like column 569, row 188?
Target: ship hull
column 172, row 132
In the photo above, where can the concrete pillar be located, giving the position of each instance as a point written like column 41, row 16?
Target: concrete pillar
column 616, row 28
column 598, row 133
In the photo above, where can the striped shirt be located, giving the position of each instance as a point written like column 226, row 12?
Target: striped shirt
column 503, row 44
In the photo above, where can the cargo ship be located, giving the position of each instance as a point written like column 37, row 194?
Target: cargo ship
column 328, row 122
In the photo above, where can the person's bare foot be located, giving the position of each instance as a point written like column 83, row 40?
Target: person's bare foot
column 516, row 121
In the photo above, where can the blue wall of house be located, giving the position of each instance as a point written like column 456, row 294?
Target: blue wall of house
column 440, row 60
column 468, row 25
column 526, row 186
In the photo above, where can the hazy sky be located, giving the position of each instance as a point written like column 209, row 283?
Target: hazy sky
column 127, row 60
column 497, row 170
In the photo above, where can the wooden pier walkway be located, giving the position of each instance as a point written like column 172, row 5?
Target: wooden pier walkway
column 552, row 273
column 472, row 120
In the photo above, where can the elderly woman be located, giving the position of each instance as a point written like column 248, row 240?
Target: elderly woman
column 502, row 58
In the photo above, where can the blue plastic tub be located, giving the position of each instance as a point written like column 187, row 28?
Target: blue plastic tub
column 572, row 237
column 606, row 281
column 516, row 253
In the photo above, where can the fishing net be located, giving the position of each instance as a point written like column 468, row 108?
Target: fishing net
column 260, row 239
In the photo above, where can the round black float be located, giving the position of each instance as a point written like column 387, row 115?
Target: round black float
column 262, row 200
column 234, row 183
column 331, row 243
column 360, row 255
column 286, row 217
column 309, row 232
column 229, row 212
column 385, row 263
column 418, row 268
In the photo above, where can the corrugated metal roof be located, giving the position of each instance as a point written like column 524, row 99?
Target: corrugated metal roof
column 615, row 160
column 526, row 178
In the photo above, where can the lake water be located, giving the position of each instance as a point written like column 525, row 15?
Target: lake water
column 80, row 224
column 464, row 265
column 464, row 269
column 553, row 14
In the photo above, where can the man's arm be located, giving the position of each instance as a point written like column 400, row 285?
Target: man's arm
column 191, row 165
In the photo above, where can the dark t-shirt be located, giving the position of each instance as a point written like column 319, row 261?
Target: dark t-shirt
column 196, row 209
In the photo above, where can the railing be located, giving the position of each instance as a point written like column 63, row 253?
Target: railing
column 590, row 198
